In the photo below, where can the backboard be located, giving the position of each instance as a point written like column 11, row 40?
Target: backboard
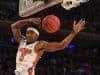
column 30, row 7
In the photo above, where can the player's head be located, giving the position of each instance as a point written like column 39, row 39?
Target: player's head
column 31, row 34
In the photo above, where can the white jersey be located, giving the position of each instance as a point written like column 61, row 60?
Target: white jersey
column 26, row 56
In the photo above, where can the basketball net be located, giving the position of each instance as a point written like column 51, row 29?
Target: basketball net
column 30, row 7
column 68, row 4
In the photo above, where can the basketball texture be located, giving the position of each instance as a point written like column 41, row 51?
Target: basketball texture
column 51, row 23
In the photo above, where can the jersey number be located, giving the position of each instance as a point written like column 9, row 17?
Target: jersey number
column 24, row 52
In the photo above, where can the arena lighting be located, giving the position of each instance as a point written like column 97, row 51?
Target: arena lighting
column 12, row 40
column 71, row 46
column 71, row 49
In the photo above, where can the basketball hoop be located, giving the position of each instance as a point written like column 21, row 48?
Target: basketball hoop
column 30, row 7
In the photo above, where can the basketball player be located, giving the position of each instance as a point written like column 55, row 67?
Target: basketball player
column 30, row 50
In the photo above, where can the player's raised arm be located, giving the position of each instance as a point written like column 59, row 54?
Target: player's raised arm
column 15, row 27
column 55, row 46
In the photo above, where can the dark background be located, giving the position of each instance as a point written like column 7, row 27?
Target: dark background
column 81, row 57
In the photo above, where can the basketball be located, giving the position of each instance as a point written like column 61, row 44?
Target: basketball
column 51, row 23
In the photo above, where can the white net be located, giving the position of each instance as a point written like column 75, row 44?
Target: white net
column 68, row 4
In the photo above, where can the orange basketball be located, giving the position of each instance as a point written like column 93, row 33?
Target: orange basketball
column 51, row 23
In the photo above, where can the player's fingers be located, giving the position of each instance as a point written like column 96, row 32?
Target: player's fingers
column 37, row 20
column 74, row 22
column 80, row 21
column 83, row 23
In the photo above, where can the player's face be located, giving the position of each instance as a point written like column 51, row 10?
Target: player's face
column 31, row 36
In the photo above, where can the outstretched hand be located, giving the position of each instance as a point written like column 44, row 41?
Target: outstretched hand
column 77, row 27
column 35, row 20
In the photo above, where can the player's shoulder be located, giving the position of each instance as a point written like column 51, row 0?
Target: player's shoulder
column 40, row 45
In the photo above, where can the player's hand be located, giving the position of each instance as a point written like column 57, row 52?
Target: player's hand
column 35, row 20
column 77, row 27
